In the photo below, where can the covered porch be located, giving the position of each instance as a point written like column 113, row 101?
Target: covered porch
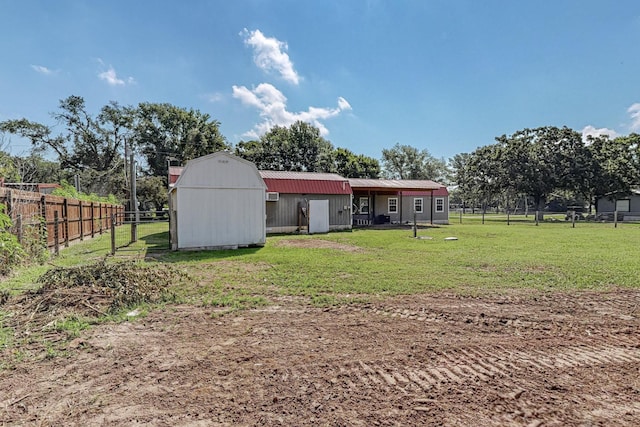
column 378, row 201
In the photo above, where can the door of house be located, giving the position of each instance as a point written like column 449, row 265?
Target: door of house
column 318, row 216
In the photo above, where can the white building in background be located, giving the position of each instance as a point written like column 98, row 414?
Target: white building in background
column 218, row 202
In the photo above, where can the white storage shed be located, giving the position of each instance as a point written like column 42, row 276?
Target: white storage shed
column 218, row 202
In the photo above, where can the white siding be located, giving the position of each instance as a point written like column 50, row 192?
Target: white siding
column 220, row 203
column 220, row 217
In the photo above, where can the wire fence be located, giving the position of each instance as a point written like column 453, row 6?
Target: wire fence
column 147, row 230
column 574, row 218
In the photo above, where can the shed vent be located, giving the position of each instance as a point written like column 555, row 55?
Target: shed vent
column 273, row 196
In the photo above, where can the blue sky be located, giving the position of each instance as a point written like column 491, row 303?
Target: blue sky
column 447, row 76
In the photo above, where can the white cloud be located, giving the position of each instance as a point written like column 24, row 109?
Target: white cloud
column 213, row 97
column 270, row 53
column 592, row 131
column 634, row 111
column 634, row 126
column 41, row 69
column 343, row 104
column 111, row 77
column 272, row 106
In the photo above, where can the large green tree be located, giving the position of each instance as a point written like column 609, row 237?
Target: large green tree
column 351, row 165
column 90, row 147
column 36, row 168
column 95, row 147
column 537, row 161
column 463, row 191
column 152, row 193
column 407, row 162
column 164, row 132
column 298, row 148
column 549, row 161
column 613, row 169
column 480, row 180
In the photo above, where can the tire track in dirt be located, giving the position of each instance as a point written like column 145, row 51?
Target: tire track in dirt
column 420, row 360
column 466, row 365
column 469, row 312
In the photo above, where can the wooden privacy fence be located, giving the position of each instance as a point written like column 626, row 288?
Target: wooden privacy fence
column 65, row 219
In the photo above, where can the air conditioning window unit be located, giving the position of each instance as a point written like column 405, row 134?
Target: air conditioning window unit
column 273, row 196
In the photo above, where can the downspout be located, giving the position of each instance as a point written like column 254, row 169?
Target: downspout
column 431, row 207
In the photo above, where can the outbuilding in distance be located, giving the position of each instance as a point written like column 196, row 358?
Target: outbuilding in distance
column 310, row 202
column 217, row 202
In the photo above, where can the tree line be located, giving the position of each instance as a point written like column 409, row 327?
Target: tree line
column 537, row 164
column 547, row 163
column 95, row 149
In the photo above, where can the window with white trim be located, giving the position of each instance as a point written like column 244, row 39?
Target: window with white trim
column 364, row 205
column 417, row 205
column 440, row 205
column 393, row 205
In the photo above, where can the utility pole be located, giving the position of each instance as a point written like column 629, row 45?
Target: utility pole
column 126, row 170
column 134, row 201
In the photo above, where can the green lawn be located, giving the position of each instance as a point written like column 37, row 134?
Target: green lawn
column 488, row 256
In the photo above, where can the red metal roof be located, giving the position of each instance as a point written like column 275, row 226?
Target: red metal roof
column 292, row 182
column 331, row 183
column 393, row 184
column 305, row 182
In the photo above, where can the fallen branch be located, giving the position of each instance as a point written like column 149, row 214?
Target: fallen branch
column 86, row 304
column 20, row 399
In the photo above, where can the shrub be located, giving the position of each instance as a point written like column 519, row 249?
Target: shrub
column 34, row 241
column 69, row 191
column 11, row 253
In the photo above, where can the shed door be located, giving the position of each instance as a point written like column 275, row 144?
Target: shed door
column 318, row 216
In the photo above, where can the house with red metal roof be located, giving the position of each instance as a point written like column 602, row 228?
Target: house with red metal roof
column 310, row 202
column 395, row 201
column 307, row 202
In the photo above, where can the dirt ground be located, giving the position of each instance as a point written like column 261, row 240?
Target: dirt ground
column 521, row 359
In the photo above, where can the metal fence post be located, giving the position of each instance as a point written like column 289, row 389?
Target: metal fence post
column 415, row 225
column 615, row 219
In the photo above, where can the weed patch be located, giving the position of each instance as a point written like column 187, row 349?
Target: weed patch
column 70, row 299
